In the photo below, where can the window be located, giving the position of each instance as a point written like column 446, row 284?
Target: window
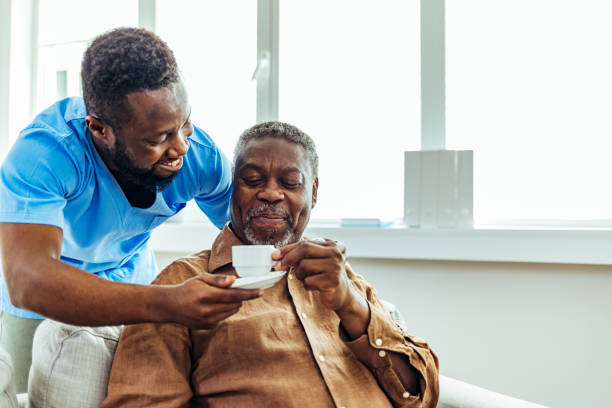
column 349, row 77
column 527, row 91
column 215, row 45
column 65, row 29
column 528, row 88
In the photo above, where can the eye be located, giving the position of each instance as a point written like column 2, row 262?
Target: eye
column 290, row 184
column 252, row 181
column 157, row 142
column 188, row 129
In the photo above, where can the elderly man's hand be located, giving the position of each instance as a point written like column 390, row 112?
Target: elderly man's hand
column 319, row 264
column 205, row 300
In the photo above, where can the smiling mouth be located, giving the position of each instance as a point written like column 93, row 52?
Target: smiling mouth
column 172, row 165
column 269, row 219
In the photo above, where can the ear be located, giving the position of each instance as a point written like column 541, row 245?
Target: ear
column 315, row 188
column 100, row 131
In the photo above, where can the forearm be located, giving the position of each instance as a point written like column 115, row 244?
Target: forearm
column 355, row 316
column 62, row 292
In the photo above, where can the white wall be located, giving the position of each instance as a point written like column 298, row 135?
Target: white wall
column 538, row 332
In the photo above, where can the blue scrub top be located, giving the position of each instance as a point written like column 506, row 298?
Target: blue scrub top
column 53, row 175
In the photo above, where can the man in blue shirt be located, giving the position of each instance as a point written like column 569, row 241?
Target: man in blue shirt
column 88, row 180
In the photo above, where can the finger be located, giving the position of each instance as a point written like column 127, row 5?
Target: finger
column 229, row 295
column 309, row 249
column 314, row 266
column 218, row 280
column 320, row 282
column 224, row 294
column 330, row 242
column 222, row 316
column 219, row 308
column 280, row 252
column 341, row 247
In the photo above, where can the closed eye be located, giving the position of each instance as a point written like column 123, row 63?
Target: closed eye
column 156, row 142
column 290, row 185
column 252, row 181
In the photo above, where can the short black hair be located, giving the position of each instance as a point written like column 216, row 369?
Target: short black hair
column 121, row 61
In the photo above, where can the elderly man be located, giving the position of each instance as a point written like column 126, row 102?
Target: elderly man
column 318, row 338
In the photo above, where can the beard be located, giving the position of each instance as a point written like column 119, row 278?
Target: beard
column 144, row 178
column 270, row 236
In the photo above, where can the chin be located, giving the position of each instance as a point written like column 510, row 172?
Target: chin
column 263, row 237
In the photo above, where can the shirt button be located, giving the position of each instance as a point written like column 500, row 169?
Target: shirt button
column 406, row 394
column 382, row 353
column 321, row 358
column 303, row 315
column 378, row 342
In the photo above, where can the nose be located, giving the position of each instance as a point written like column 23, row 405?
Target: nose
column 179, row 146
column 270, row 192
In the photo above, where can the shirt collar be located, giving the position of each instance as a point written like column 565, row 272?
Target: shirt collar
column 221, row 251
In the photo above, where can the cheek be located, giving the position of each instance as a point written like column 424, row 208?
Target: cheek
column 240, row 204
column 303, row 213
column 151, row 156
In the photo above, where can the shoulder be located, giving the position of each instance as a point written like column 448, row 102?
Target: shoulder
column 206, row 168
column 202, row 142
column 183, row 269
column 64, row 118
column 59, row 128
column 204, row 153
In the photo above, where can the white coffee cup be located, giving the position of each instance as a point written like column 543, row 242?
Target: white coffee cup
column 252, row 260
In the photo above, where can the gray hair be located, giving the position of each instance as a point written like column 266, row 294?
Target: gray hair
column 284, row 130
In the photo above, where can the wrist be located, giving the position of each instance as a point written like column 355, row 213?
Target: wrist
column 354, row 315
column 353, row 304
column 157, row 305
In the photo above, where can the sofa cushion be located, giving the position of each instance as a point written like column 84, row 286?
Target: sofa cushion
column 8, row 396
column 70, row 365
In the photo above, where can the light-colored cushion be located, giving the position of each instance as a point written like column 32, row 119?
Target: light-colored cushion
column 8, row 395
column 71, row 365
column 394, row 312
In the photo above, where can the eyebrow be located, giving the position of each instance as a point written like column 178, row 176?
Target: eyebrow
column 255, row 167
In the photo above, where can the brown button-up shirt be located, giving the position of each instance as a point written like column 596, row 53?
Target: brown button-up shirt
column 281, row 350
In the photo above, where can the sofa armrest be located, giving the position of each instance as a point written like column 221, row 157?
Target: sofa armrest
column 457, row 394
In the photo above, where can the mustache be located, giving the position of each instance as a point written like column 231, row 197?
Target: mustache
column 266, row 209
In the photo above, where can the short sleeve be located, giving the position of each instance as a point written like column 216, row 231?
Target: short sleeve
column 36, row 180
column 215, row 180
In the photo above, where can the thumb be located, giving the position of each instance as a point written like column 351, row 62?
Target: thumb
column 280, row 252
column 218, row 280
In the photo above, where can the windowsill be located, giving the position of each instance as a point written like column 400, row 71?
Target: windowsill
column 558, row 245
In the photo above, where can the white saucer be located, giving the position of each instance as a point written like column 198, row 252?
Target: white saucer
column 259, row 282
